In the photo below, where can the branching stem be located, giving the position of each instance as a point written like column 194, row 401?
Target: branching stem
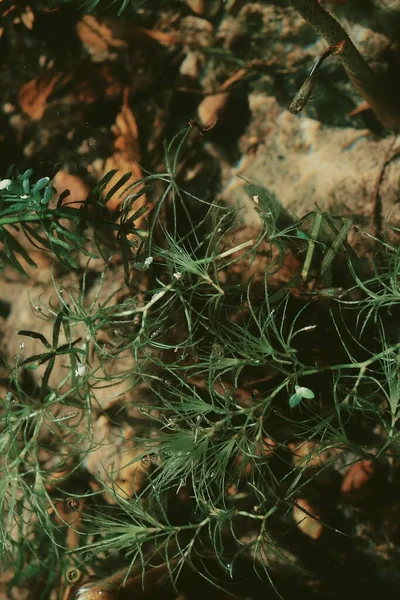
column 376, row 89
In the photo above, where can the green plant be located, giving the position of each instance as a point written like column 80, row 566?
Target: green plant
column 215, row 460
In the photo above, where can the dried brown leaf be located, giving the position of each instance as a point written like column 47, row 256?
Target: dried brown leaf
column 310, row 455
column 126, row 159
column 28, row 17
column 34, row 94
column 197, row 6
column 210, row 108
column 98, row 39
column 127, row 133
column 357, row 476
column 303, row 514
column 162, row 37
column 78, row 188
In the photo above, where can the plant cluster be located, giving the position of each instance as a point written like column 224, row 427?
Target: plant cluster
column 207, row 396
column 241, row 374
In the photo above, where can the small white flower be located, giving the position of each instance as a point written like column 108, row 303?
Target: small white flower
column 178, row 276
column 80, row 371
column 256, row 199
column 5, row 184
column 148, row 261
column 22, row 345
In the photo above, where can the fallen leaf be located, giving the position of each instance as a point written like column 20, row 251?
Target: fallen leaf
column 28, row 17
column 56, row 479
column 232, row 490
column 210, row 108
column 303, row 513
column 363, row 106
column 357, row 476
column 310, row 455
column 124, row 165
column 243, row 465
column 98, row 39
column 126, row 132
column 267, row 447
column 33, row 95
column 77, row 187
column 197, row 6
column 189, row 67
column 126, row 159
column 162, row 37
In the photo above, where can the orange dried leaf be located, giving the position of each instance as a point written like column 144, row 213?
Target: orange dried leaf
column 306, row 454
column 357, row 476
column 33, row 95
column 243, row 465
column 303, row 514
column 124, row 165
column 125, row 159
column 127, row 133
column 56, row 479
column 363, row 106
column 77, row 187
column 28, row 17
column 164, row 38
column 268, row 446
column 210, row 108
column 310, row 455
column 98, row 39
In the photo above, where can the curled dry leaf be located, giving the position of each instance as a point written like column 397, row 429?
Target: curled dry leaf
column 56, row 479
column 244, row 464
column 357, row 476
column 28, row 17
column 232, row 490
column 310, row 455
column 126, row 159
column 303, row 513
column 120, row 162
column 162, row 37
column 98, row 39
column 266, row 448
column 210, row 108
column 189, row 67
column 77, row 187
column 126, row 131
column 33, row 95
column 197, row 6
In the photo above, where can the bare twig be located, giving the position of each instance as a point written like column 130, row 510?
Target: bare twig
column 375, row 88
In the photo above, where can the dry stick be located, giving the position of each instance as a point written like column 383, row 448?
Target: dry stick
column 375, row 88
column 303, row 95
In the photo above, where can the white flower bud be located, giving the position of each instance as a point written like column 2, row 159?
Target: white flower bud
column 5, row 184
column 80, row 371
